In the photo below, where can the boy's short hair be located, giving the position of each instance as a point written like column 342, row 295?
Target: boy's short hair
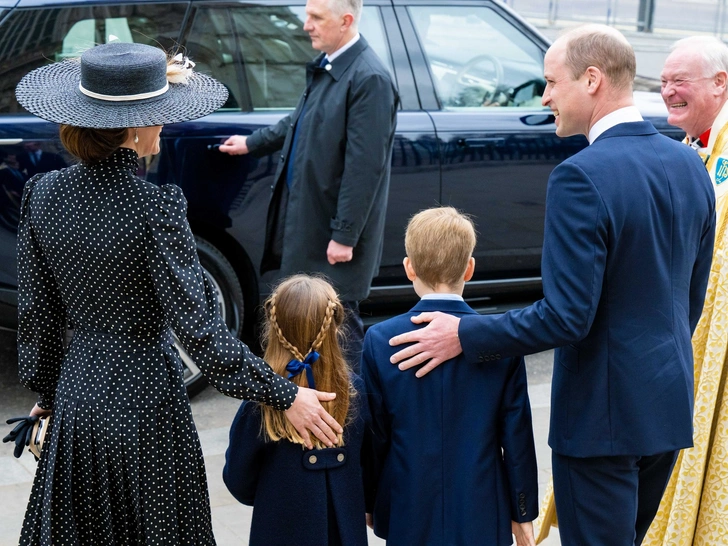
column 439, row 243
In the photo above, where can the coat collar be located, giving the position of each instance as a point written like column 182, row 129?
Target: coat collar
column 340, row 64
column 446, row 306
column 632, row 128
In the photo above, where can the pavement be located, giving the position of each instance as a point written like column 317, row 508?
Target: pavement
column 213, row 414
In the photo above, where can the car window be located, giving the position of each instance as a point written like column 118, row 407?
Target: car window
column 272, row 49
column 211, row 45
column 34, row 37
column 477, row 58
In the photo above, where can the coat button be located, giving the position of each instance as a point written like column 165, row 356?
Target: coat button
column 312, row 459
column 340, row 457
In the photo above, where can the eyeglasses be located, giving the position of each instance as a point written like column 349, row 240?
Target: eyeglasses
column 680, row 82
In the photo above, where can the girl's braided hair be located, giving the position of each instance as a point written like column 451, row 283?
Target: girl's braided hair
column 304, row 314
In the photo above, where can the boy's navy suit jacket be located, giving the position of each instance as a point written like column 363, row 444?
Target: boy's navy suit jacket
column 451, row 458
column 628, row 243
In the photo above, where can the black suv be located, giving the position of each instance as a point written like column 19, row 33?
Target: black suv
column 471, row 131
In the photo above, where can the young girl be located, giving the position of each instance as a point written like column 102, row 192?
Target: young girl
column 303, row 497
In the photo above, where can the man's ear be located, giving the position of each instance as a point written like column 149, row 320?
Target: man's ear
column 721, row 79
column 348, row 21
column 469, row 270
column 594, row 79
column 408, row 269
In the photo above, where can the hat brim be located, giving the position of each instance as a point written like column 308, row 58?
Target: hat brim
column 52, row 93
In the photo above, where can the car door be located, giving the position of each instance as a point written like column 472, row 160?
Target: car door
column 259, row 50
column 481, row 74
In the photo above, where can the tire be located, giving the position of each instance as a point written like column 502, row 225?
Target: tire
column 231, row 304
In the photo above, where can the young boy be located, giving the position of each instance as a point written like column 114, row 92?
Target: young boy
column 452, row 458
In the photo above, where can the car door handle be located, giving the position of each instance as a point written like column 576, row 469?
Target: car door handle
column 494, row 142
column 533, row 120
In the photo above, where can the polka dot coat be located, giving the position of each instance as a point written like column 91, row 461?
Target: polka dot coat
column 113, row 255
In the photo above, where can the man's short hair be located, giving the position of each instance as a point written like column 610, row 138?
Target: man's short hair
column 340, row 7
column 439, row 243
column 713, row 51
column 604, row 48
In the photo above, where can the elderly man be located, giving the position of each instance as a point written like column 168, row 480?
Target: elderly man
column 694, row 509
column 626, row 256
column 330, row 192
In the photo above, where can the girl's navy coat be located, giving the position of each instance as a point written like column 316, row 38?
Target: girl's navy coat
column 301, row 497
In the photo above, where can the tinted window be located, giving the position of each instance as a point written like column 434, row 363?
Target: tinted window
column 477, row 58
column 211, row 45
column 33, row 37
column 267, row 68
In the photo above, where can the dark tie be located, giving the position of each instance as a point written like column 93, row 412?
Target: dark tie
column 294, row 142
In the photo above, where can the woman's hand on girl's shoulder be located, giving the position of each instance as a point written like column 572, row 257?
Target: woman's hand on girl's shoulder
column 307, row 414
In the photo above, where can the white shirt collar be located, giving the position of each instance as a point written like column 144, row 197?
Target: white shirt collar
column 442, row 296
column 623, row 115
column 343, row 48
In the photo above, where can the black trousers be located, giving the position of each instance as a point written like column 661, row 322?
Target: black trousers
column 608, row 501
column 353, row 334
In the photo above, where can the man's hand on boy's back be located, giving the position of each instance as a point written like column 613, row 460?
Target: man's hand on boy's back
column 307, row 414
column 523, row 533
column 437, row 342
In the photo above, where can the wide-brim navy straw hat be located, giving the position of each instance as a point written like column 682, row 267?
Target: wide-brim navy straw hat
column 120, row 85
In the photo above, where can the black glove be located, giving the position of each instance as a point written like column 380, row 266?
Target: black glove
column 21, row 433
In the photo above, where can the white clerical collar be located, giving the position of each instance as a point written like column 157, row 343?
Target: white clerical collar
column 343, row 48
column 442, row 296
column 623, row 115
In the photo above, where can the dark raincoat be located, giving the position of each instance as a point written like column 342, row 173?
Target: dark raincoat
column 341, row 167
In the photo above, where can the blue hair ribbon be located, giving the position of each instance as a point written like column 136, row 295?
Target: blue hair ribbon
column 295, row 367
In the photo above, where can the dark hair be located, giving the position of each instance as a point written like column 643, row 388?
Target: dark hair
column 92, row 145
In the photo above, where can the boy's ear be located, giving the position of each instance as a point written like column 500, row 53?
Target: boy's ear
column 469, row 270
column 408, row 269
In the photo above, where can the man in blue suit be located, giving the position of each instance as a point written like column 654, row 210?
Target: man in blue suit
column 628, row 237
column 452, row 459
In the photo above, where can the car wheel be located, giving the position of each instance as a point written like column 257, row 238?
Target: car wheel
column 231, row 304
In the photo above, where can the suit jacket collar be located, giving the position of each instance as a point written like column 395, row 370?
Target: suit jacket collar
column 633, row 128
column 446, row 306
column 340, row 64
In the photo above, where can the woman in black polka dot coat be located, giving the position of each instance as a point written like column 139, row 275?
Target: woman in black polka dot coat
column 114, row 256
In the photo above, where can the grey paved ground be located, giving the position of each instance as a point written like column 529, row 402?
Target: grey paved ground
column 213, row 414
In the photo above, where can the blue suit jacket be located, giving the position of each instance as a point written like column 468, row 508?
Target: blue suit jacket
column 628, row 242
column 451, row 458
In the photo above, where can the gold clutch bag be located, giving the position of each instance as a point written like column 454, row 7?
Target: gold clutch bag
column 37, row 436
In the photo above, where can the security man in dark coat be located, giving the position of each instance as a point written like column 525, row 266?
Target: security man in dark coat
column 330, row 192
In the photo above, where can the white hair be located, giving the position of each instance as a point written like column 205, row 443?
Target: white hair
column 340, row 7
column 712, row 50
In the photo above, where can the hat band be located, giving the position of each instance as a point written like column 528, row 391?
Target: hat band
column 122, row 98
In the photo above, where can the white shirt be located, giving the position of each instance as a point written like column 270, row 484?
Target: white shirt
column 623, row 115
column 343, row 48
column 442, row 296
